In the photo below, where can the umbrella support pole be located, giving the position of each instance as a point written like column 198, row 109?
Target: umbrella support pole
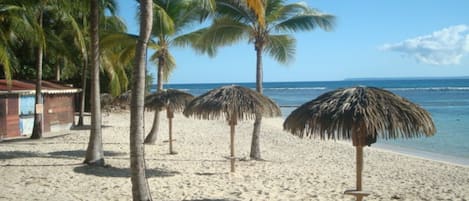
column 232, row 155
column 358, row 192
column 170, row 116
column 170, row 136
column 232, row 122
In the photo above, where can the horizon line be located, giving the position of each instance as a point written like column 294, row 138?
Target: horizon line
column 345, row 79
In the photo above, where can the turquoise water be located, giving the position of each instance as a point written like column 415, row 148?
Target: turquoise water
column 446, row 99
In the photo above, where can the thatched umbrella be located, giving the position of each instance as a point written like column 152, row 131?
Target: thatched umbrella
column 232, row 103
column 361, row 114
column 172, row 100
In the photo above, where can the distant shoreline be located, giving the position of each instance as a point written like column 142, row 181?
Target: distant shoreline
column 345, row 79
column 407, row 78
column 455, row 160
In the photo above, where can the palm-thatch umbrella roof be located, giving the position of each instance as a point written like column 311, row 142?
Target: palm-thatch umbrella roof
column 361, row 114
column 228, row 101
column 123, row 100
column 172, row 100
column 169, row 99
column 231, row 103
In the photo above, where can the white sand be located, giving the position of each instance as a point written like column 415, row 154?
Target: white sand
column 295, row 169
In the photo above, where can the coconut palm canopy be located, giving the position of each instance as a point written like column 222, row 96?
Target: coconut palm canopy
column 225, row 101
column 375, row 112
column 171, row 99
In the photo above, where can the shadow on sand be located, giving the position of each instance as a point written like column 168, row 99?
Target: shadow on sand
column 19, row 154
column 110, row 171
column 58, row 154
column 86, row 127
column 81, row 153
column 209, row 200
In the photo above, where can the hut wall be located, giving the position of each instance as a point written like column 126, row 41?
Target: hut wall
column 26, row 113
column 58, row 112
column 3, row 119
column 9, row 119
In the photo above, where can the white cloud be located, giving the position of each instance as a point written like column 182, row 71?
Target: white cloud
column 443, row 47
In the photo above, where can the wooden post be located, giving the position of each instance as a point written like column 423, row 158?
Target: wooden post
column 233, row 122
column 358, row 140
column 170, row 115
column 359, row 158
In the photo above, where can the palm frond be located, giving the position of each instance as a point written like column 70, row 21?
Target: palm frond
column 5, row 62
column 281, row 48
column 223, row 31
column 258, row 8
column 236, row 10
column 188, row 39
column 278, row 12
column 163, row 24
column 169, row 67
column 113, row 24
column 307, row 21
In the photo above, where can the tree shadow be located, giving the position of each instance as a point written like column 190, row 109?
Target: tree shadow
column 109, row 171
column 26, row 154
column 203, row 199
column 18, row 154
column 86, row 127
column 208, row 173
column 82, row 153
column 27, row 139
column 58, row 154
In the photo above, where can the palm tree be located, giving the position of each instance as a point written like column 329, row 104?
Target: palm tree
column 235, row 21
column 94, row 152
column 171, row 20
column 38, row 112
column 106, row 6
column 140, row 188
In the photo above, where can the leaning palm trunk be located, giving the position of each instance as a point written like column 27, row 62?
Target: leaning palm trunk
column 83, row 93
column 140, row 188
column 255, row 142
column 94, row 152
column 153, row 135
column 38, row 126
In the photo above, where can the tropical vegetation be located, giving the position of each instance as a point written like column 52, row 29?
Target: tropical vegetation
column 66, row 40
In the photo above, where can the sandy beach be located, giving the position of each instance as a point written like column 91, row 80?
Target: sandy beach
column 294, row 169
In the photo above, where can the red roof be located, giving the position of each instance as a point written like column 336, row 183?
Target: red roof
column 29, row 87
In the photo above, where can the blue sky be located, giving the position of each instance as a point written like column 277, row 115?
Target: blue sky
column 386, row 38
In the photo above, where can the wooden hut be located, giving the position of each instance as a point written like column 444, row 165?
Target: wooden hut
column 17, row 107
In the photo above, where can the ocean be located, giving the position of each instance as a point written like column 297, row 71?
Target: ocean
column 446, row 99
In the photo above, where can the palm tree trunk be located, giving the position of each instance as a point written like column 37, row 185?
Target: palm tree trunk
column 153, row 135
column 83, row 93
column 83, row 83
column 38, row 126
column 94, row 152
column 57, row 71
column 140, row 188
column 255, row 142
